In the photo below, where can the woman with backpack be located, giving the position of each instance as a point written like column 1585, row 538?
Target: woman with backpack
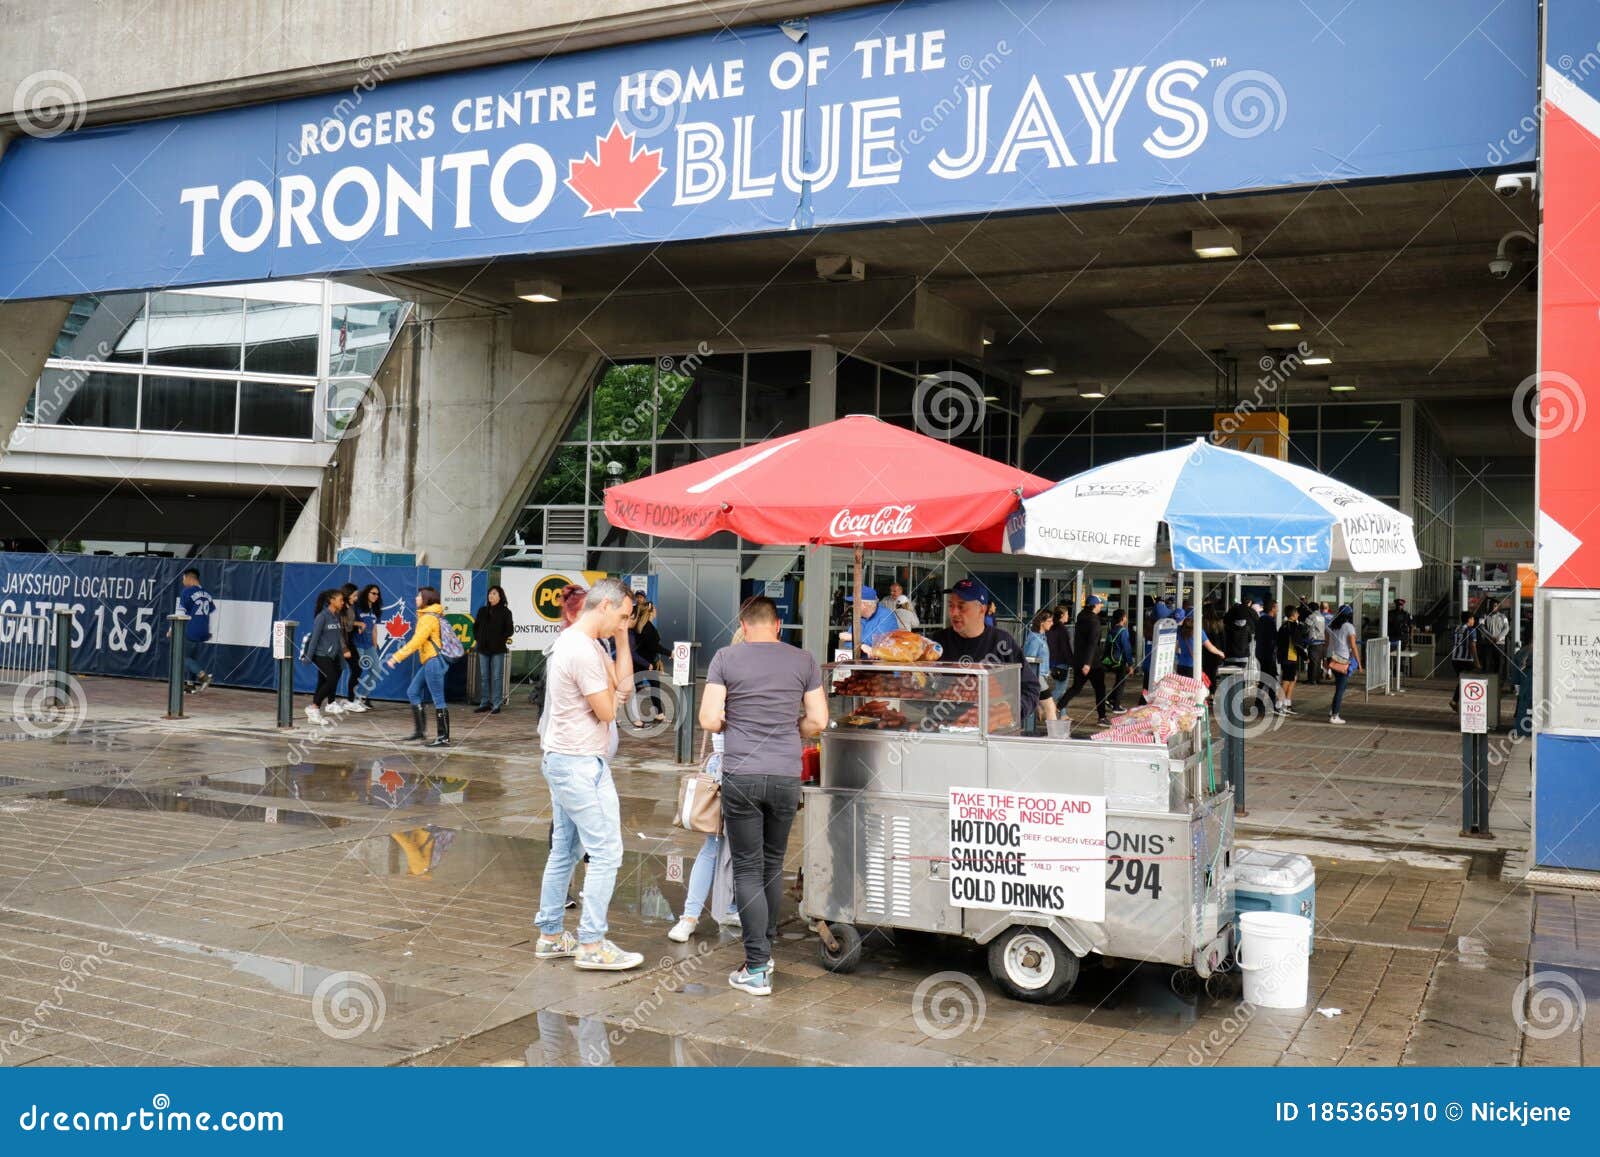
column 1118, row 660
column 325, row 646
column 427, row 643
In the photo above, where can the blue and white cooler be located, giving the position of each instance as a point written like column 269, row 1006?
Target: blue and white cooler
column 1267, row 881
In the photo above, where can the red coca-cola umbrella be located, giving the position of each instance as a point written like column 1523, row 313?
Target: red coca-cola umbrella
column 855, row 482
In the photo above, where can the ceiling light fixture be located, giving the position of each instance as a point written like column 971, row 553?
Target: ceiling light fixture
column 1215, row 242
column 1094, row 392
column 540, row 290
column 1317, row 360
column 1039, row 366
column 1283, row 322
column 1342, row 388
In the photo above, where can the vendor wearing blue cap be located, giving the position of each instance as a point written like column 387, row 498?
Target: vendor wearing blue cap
column 877, row 620
column 970, row 639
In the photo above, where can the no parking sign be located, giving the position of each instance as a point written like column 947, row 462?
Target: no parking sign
column 1475, row 706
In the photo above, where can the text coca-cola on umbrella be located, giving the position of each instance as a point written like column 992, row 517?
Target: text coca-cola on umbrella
column 857, row 480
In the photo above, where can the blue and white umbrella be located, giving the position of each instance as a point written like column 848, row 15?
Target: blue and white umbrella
column 1226, row 511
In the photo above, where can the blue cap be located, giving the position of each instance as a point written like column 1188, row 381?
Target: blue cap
column 1093, row 601
column 1179, row 615
column 1346, row 609
column 970, row 590
column 867, row 595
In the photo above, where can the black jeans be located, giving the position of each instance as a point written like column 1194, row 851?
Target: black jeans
column 354, row 664
column 328, row 668
column 1096, row 678
column 757, row 813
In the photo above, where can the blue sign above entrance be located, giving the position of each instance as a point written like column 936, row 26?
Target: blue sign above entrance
column 919, row 110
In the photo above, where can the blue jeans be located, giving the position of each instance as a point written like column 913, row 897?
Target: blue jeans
column 491, row 679
column 701, row 877
column 1339, row 684
column 430, row 673
column 585, row 818
column 193, row 649
column 371, row 671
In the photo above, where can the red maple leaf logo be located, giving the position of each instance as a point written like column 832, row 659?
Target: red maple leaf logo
column 397, row 626
column 613, row 180
column 391, row 780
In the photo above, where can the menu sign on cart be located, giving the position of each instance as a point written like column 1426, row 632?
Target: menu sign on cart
column 1028, row 851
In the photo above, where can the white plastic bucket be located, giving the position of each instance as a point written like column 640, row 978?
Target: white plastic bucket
column 1273, row 958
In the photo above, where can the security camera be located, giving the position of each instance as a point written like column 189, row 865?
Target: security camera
column 1500, row 268
column 1511, row 185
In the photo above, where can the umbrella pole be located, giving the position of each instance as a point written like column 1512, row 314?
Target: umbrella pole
column 1195, row 617
column 855, row 612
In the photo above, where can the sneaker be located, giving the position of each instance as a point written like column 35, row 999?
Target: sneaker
column 554, row 949
column 314, row 715
column 1334, row 719
column 203, row 680
column 189, row 688
column 1119, row 711
column 333, row 707
column 356, row 706
column 1288, row 709
column 756, row 981
column 730, row 920
column 606, row 958
column 680, row 932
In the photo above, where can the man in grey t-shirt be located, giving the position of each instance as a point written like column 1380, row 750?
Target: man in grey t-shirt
column 763, row 695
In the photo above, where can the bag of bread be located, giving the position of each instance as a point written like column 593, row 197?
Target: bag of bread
column 899, row 647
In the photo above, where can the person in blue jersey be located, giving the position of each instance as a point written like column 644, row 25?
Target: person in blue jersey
column 877, row 619
column 194, row 601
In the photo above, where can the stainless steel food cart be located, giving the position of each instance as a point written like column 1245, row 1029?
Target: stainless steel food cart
column 877, row 828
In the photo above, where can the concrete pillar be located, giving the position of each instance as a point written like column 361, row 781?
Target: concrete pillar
column 448, row 441
column 817, row 601
column 27, row 331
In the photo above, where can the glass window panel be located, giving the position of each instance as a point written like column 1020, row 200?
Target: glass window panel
column 1056, row 458
column 1061, row 423
column 604, row 536
column 702, row 398
column 194, row 331
column 623, row 405
column 1111, row 419
column 87, row 398
column 896, row 392
column 855, row 387
column 1360, row 417
column 103, row 328
column 280, row 337
column 1191, row 421
column 562, row 483
column 578, row 431
column 1114, row 449
column 1369, row 461
column 778, row 394
column 1303, row 448
column 670, row 455
column 193, row 405
column 275, row 410
column 614, row 463
column 1302, row 418
column 360, row 334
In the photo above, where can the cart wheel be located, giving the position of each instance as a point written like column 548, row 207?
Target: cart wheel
column 1032, row 964
column 1225, row 985
column 1184, row 981
column 848, row 958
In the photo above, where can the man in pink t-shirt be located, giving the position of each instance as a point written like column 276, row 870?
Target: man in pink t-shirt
column 583, row 688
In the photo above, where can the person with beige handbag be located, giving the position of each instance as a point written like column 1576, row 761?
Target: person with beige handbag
column 700, row 810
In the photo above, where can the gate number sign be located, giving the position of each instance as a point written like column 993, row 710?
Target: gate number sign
column 1475, row 706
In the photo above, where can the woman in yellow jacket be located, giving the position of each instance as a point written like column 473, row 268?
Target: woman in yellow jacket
column 424, row 643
